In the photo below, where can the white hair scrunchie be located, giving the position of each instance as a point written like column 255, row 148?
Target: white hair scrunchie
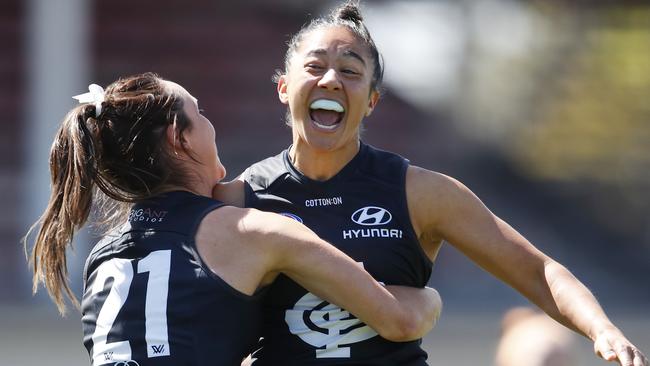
column 95, row 95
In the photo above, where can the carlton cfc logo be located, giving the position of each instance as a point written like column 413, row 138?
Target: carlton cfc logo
column 371, row 216
column 328, row 328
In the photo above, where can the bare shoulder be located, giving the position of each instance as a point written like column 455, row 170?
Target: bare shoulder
column 433, row 198
column 231, row 192
column 267, row 240
column 229, row 242
column 432, row 188
column 234, row 227
column 249, row 224
column 222, row 222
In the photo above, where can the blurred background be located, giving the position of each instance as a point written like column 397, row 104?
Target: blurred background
column 542, row 108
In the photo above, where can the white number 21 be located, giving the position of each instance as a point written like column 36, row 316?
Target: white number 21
column 121, row 270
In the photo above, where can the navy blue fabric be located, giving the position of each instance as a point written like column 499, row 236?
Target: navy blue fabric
column 363, row 211
column 208, row 322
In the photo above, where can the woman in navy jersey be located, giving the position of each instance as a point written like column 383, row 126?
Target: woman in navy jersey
column 376, row 207
column 176, row 281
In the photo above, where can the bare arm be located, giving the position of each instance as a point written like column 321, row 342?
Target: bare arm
column 400, row 314
column 442, row 207
column 426, row 301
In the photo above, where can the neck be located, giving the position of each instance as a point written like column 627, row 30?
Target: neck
column 194, row 178
column 321, row 165
column 198, row 187
column 191, row 189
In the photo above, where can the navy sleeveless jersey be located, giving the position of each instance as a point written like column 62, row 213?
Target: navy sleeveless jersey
column 363, row 211
column 150, row 300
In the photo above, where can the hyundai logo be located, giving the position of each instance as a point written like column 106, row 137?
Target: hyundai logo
column 371, row 215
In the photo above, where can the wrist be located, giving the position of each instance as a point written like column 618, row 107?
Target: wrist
column 599, row 327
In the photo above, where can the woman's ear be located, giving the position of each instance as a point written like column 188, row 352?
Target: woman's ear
column 282, row 89
column 173, row 138
column 372, row 102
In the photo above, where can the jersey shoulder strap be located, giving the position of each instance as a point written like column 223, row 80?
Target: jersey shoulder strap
column 262, row 174
column 383, row 166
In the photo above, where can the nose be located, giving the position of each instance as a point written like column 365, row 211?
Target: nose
column 330, row 80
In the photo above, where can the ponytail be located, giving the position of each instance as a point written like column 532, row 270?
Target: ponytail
column 349, row 11
column 72, row 168
column 118, row 153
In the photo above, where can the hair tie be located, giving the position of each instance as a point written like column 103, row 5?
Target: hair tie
column 95, row 95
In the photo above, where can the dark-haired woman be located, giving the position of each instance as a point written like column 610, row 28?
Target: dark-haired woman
column 382, row 211
column 176, row 282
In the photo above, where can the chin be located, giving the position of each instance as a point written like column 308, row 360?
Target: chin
column 322, row 144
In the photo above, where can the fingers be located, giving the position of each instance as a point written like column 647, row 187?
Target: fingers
column 603, row 349
column 629, row 355
column 611, row 345
column 625, row 354
column 640, row 359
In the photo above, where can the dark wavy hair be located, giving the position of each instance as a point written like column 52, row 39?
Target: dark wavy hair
column 118, row 157
column 347, row 15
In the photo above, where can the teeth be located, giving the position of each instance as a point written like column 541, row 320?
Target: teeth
column 326, row 104
column 325, row 127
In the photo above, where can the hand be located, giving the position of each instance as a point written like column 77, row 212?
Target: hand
column 611, row 345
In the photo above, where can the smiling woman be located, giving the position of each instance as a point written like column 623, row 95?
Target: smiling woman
column 326, row 114
column 344, row 72
column 179, row 273
column 392, row 217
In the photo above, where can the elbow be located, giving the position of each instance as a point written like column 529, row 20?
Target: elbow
column 400, row 330
column 409, row 328
column 413, row 325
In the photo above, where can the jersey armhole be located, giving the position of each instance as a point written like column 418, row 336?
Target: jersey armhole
column 199, row 218
column 222, row 283
column 405, row 166
column 204, row 267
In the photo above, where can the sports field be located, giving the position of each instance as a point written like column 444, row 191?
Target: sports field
column 37, row 336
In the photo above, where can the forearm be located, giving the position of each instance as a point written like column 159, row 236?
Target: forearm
column 350, row 287
column 573, row 304
column 423, row 305
column 447, row 209
column 333, row 276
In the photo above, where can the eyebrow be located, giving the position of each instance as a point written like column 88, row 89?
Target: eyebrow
column 350, row 53
column 347, row 53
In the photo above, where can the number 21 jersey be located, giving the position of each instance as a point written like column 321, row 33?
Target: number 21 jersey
column 149, row 299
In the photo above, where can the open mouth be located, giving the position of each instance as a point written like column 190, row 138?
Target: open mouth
column 326, row 114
